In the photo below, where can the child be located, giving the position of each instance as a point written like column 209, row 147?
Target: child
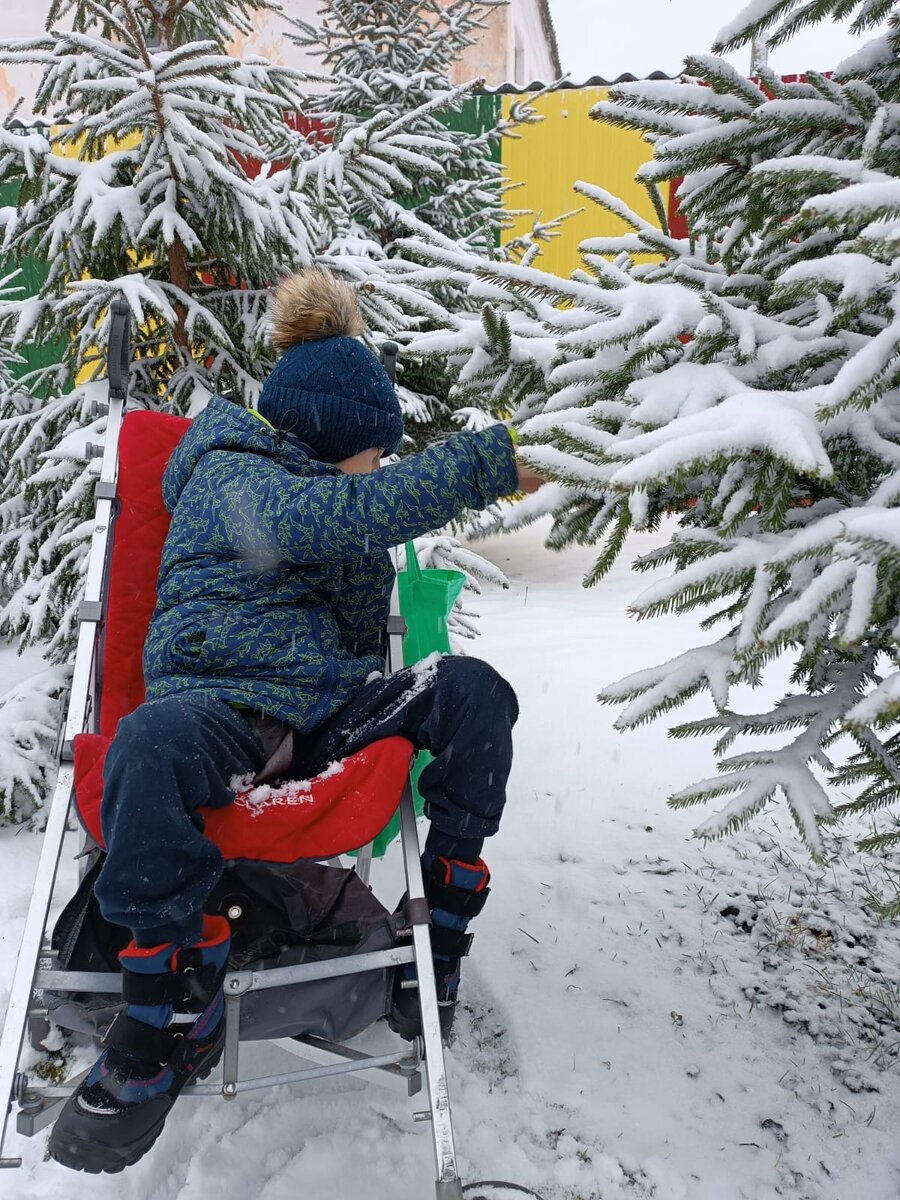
column 265, row 650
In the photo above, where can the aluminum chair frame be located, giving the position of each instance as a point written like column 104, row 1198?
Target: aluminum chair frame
column 38, row 1103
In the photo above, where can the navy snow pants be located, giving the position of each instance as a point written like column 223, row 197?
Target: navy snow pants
column 170, row 757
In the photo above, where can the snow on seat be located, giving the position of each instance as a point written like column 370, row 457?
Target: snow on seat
column 339, row 810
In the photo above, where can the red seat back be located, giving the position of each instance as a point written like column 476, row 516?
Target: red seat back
column 145, row 443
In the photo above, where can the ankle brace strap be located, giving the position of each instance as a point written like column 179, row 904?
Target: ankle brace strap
column 450, row 943
column 190, row 984
column 147, row 1043
column 460, row 901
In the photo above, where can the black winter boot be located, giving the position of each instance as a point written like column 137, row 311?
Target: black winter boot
column 455, row 891
column 172, row 1031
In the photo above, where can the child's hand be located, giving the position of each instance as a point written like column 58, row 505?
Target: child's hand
column 529, row 481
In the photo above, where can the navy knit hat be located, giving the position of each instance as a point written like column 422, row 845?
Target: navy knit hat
column 327, row 389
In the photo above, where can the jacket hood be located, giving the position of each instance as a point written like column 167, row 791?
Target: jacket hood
column 224, row 425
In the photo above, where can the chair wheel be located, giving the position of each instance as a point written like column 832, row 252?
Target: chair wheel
column 494, row 1189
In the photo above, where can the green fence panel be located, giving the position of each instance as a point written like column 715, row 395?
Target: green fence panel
column 477, row 115
column 32, row 273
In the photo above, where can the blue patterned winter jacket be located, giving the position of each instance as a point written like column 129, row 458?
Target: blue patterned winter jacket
column 274, row 584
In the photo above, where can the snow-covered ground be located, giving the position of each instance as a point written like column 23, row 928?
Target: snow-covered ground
column 645, row 1016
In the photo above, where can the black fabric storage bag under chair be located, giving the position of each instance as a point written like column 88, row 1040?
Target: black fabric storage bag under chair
column 280, row 916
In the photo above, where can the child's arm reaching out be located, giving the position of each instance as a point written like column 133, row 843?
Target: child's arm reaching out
column 339, row 516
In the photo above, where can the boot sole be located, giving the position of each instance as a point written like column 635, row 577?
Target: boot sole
column 407, row 1028
column 410, row 1027
column 94, row 1158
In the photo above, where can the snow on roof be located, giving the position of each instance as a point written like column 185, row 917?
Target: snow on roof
column 595, row 81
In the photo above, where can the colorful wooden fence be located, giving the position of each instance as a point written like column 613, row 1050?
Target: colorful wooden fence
column 541, row 163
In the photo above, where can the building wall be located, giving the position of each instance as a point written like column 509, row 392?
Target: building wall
column 269, row 41
column 28, row 20
column 532, row 58
column 488, row 59
column 514, row 36
column 513, row 47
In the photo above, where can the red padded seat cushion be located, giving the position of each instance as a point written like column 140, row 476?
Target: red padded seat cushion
column 338, row 811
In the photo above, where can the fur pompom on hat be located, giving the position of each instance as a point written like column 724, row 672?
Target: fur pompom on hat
column 311, row 305
column 327, row 389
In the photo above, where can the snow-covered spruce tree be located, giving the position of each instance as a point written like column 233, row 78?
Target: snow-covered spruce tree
column 151, row 190
column 866, row 204
column 15, row 405
column 29, row 716
column 746, row 378
column 142, row 193
column 29, row 710
column 396, row 57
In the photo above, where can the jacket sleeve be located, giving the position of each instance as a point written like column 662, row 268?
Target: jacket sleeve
column 339, row 516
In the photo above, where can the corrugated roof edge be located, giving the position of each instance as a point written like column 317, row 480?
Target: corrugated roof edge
column 510, row 88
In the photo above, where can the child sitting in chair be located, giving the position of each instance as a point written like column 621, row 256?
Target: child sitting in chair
column 264, row 656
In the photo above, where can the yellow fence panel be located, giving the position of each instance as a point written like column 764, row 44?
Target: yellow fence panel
column 567, row 146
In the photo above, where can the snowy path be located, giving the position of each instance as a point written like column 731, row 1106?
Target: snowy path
column 611, row 1051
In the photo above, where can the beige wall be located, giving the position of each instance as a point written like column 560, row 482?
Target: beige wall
column 488, row 59
column 268, row 40
column 493, row 58
column 513, row 48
